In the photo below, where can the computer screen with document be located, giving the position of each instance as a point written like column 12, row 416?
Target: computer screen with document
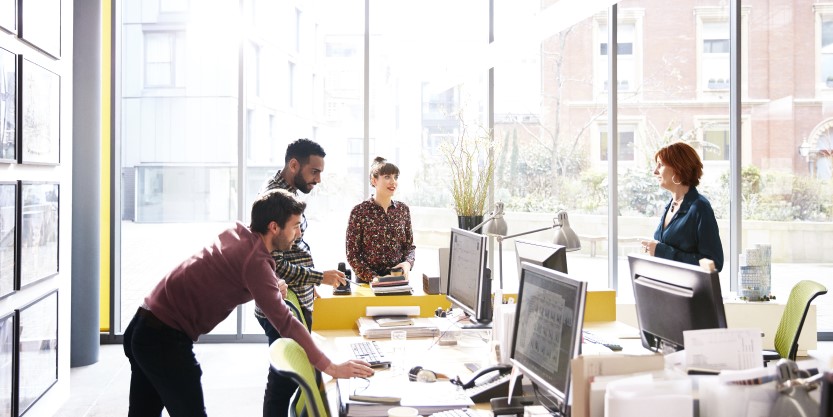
column 469, row 281
column 672, row 297
column 547, row 333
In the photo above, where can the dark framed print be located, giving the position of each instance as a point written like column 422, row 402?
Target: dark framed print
column 8, row 236
column 38, row 248
column 8, row 15
column 7, row 354
column 40, row 25
column 8, row 106
column 40, row 115
column 37, row 350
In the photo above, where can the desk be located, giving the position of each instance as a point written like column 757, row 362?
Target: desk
column 758, row 315
column 473, row 347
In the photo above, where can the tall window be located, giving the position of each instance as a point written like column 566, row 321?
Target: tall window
column 716, row 143
column 629, row 61
column 626, row 143
column 715, row 74
column 826, row 50
column 161, row 52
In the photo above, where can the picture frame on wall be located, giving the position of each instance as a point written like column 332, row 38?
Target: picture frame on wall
column 37, row 350
column 40, row 25
column 8, row 15
column 8, row 237
column 8, row 106
column 7, row 355
column 38, row 237
column 40, row 115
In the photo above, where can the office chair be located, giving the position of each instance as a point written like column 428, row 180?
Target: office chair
column 294, row 306
column 792, row 320
column 289, row 360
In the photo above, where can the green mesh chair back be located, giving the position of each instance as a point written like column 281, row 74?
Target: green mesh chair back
column 295, row 306
column 792, row 320
column 289, row 360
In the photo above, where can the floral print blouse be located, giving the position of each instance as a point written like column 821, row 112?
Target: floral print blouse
column 378, row 241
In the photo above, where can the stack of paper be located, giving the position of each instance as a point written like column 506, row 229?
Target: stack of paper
column 428, row 398
column 392, row 290
column 420, row 327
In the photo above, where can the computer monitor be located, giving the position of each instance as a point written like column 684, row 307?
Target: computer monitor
column 547, row 333
column 548, row 255
column 672, row 297
column 469, row 281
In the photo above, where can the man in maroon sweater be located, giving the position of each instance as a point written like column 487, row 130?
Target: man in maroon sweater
column 200, row 293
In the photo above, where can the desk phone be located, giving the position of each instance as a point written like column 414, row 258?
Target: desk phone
column 491, row 382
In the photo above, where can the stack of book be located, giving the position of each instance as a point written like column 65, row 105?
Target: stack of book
column 370, row 328
column 391, row 285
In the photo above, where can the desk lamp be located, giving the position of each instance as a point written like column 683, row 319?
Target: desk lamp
column 496, row 226
column 564, row 236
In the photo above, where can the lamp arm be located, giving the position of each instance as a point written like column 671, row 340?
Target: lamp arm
column 501, row 238
column 476, row 228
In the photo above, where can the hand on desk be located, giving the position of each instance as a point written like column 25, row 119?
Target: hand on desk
column 349, row 369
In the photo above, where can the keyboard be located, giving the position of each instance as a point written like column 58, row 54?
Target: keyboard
column 590, row 337
column 369, row 352
column 496, row 386
column 460, row 412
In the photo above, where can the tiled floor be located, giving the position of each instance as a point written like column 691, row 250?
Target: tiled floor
column 234, row 376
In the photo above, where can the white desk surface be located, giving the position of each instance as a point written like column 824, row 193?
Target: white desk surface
column 474, row 346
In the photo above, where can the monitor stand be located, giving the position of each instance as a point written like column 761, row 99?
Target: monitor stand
column 473, row 324
column 511, row 405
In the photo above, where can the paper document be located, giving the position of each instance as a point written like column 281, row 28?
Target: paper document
column 723, row 349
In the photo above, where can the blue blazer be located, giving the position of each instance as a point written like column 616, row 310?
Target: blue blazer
column 692, row 233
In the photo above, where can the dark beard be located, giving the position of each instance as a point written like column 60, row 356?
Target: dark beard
column 298, row 182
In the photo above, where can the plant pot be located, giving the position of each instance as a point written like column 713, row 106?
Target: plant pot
column 468, row 222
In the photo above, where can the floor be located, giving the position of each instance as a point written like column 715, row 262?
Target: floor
column 234, row 376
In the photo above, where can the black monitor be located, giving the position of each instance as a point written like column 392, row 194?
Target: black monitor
column 548, row 255
column 469, row 281
column 547, row 332
column 672, row 297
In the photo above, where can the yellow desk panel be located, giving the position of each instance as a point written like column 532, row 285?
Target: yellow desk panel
column 334, row 312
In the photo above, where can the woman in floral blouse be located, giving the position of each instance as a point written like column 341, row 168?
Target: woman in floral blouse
column 379, row 233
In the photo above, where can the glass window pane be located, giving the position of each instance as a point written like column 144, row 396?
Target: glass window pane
column 787, row 198
column 178, row 151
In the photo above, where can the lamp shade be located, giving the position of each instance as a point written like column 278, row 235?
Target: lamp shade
column 496, row 227
column 564, row 234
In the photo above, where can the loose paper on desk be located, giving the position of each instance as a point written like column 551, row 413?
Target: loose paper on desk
column 723, row 349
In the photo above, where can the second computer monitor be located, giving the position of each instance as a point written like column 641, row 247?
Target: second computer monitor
column 469, row 281
column 672, row 297
column 547, row 332
column 548, row 255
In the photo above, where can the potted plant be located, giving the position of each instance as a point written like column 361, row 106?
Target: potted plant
column 472, row 164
